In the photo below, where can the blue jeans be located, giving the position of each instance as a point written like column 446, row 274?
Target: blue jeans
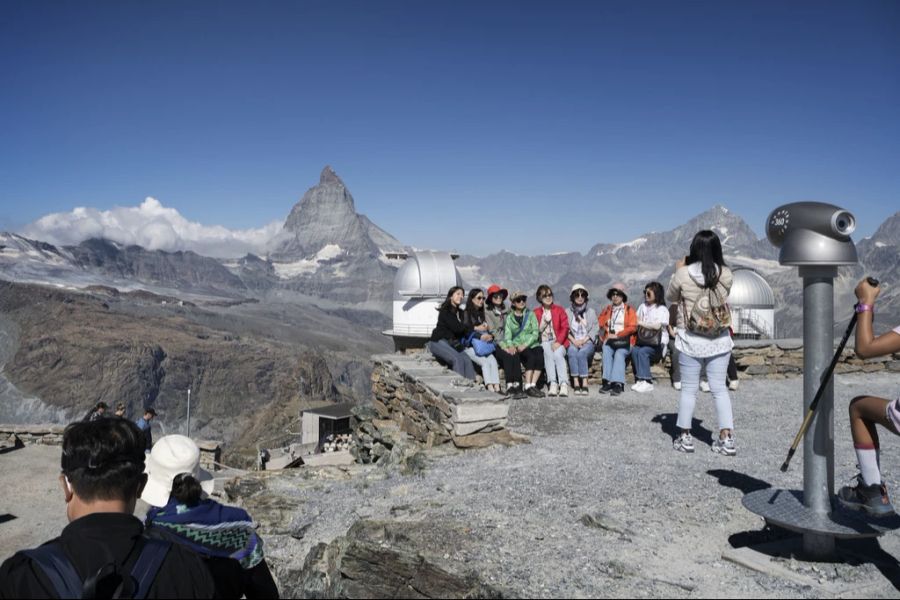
column 580, row 359
column 642, row 356
column 614, row 364
column 716, row 367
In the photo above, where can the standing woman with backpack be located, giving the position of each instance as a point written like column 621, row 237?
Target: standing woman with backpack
column 474, row 320
column 700, row 286
column 446, row 338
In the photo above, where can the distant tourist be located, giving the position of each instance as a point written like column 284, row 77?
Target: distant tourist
column 97, row 412
column 181, row 513
column 870, row 493
column 652, row 335
column 522, row 338
column 554, row 330
column 495, row 316
column 618, row 326
column 120, row 409
column 144, row 425
column 474, row 320
column 703, row 274
column 102, row 552
column 446, row 339
column 583, row 331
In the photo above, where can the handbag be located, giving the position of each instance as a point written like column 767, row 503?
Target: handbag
column 477, row 344
column 648, row 337
column 618, row 343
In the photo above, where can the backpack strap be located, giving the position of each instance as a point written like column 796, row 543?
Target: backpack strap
column 148, row 563
column 54, row 563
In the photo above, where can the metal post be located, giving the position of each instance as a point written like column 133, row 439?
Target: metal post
column 189, row 413
column 818, row 445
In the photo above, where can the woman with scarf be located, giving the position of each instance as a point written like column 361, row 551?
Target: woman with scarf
column 224, row 536
column 582, row 336
column 495, row 317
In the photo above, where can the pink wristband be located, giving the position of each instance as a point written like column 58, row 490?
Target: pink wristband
column 861, row 308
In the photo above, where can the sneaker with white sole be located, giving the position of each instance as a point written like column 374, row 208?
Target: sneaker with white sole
column 684, row 443
column 642, row 387
column 704, row 386
column 725, row 446
column 564, row 390
column 872, row 499
column 676, row 385
column 733, row 385
column 554, row 389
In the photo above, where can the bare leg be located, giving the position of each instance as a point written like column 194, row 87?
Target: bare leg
column 865, row 412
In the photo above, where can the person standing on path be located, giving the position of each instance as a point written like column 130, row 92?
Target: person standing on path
column 700, row 277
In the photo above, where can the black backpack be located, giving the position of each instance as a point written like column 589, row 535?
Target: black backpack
column 65, row 580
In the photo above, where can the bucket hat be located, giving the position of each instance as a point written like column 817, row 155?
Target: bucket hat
column 617, row 287
column 496, row 289
column 171, row 456
column 577, row 287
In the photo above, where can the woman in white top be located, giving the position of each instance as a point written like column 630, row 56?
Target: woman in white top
column 653, row 335
column 698, row 276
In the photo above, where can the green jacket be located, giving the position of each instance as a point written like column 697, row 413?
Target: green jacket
column 530, row 335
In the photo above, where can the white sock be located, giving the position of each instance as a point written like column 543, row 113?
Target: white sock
column 868, row 465
column 528, row 386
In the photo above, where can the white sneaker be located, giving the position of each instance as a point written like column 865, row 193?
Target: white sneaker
column 644, row 387
column 725, row 446
column 704, row 386
column 733, row 385
column 684, row 443
column 676, row 385
column 564, row 390
column 554, row 390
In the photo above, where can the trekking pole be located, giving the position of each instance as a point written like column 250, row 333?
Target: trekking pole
column 815, row 403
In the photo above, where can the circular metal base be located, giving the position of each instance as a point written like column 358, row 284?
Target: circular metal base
column 785, row 509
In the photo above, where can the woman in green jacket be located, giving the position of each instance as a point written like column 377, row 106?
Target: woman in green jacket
column 521, row 337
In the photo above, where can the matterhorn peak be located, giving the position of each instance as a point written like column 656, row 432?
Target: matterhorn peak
column 328, row 176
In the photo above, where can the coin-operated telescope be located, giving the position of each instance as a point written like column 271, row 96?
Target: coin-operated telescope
column 812, row 233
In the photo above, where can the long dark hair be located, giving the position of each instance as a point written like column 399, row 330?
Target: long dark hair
column 474, row 314
column 658, row 293
column 706, row 249
column 447, row 305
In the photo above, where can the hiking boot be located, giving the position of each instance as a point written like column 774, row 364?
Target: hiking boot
column 564, row 390
column 684, row 443
column 617, row 388
column 872, row 499
column 606, row 387
column 534, row 392
column 725, row 446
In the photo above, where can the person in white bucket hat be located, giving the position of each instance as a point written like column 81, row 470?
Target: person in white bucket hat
column 224, row 536
column 171, row 456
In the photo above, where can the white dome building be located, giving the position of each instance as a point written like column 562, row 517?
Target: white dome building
column 420, row 286
column 752, row 303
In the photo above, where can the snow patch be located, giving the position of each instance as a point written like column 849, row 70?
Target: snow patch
column 307, row 266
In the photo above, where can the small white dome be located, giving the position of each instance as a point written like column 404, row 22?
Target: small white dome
column 750, row 290
column 425, row 275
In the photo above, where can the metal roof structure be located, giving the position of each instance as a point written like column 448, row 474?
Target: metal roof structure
column 335, row 411
column 750, row 290
column 425, row 275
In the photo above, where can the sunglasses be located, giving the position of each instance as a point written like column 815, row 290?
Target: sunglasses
column 478, row 298
column 648, row 293
column 516, row 300
column 619, row 294
column 580, row 295
column 547, row 295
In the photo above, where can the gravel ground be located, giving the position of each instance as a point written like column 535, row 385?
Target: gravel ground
column 668, row 516
column 665, row 517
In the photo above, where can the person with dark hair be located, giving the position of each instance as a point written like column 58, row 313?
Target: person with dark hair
column 703, row 275
column 224, row 536
column 618, row 327
column 521, row 338
column 446, row 338
column 495, row 316
column 870, row 493
column 97, row 412
column 582, row 337
column 120, row 409
column 103, row 551
column 474, row 320
column 652, row 335
column 554, row 330
column 144, row 425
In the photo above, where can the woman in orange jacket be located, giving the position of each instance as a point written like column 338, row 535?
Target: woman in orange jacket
column 618, row 331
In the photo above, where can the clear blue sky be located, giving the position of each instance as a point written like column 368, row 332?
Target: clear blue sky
column 565, row 123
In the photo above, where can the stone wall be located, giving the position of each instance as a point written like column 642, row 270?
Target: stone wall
column 52, row 435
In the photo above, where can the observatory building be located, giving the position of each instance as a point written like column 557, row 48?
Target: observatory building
column 752, row 303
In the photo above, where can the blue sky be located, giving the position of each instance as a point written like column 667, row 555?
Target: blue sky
column 530, row 126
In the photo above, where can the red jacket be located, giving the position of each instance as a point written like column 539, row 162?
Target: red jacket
column 630, row 330
column 560, row 322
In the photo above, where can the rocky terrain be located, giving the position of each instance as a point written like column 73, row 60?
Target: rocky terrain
column 598, row 504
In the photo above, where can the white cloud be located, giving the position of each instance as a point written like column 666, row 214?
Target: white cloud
column 152, row 226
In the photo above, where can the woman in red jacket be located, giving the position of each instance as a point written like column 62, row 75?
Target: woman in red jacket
column 618, row 330
column 554, row 330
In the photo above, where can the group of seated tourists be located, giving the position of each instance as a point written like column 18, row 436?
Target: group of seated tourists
column 481, row 329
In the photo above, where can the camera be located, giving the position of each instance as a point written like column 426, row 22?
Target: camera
column 812, row 233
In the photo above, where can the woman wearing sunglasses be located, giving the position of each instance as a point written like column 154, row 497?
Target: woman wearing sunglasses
column 582, row 337
column 554, row 329
column 473, row 319
column 653, row 335
column 495, row 316
column 618, row 326
column 521, row 338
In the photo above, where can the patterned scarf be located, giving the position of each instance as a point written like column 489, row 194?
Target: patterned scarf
column 579, row 327
column 211, row 529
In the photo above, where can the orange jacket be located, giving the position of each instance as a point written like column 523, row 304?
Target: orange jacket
column 630, row 330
